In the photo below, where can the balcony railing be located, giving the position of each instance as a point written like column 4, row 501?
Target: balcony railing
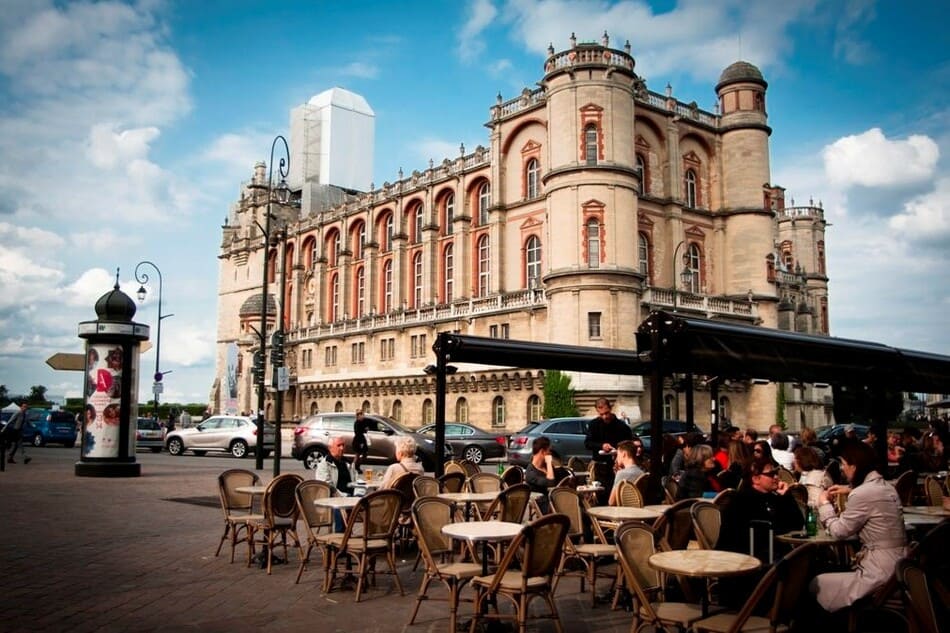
column 710, row 306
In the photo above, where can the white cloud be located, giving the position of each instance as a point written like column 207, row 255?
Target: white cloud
column 480, row 15
column 108, row 147
column 872, row 160
column 848, row 44
column 926, row 217
column 361, row 70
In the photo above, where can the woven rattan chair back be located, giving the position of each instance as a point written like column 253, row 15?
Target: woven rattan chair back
column 933, row 491
column 629, row 495
column 452, row 481
column 426, row 486
column 707, row 519
column 512, row 475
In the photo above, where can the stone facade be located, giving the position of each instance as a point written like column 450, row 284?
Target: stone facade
column 594, row 201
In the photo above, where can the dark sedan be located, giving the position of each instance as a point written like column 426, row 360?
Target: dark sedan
column 470, row 442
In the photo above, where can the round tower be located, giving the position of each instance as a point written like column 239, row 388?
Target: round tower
column 749, row 231
column 591, row 273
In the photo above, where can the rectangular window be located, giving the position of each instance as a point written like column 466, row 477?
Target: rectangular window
column 593, row 325
column 387, row 349
column 504, row 330
column 493, row 331
column 329, row 354
column 356, row 353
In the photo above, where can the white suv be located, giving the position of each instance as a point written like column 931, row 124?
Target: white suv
column 233, row 434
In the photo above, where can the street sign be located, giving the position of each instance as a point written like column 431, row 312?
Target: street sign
column 283, row 379
column 157, row 388
column 62, row 361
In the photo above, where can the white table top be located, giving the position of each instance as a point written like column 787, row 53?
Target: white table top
column 251, row 490
column 468, row 497
column 337, row 502
column 658, row 507
column 800, row 537
column 475, row 531
column 589, row 488
column 369, row 485
column 622, row 513
column 922, row 519
column 704, row 563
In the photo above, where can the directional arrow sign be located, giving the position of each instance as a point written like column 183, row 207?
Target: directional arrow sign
column 63, row 361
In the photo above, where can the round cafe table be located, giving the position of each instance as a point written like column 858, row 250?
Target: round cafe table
column 619, row 514
column 468, row 498
column 934, row 511
column 484, row 532
column 704, row 563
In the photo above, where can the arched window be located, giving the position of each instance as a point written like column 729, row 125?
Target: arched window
column 313, row 408
column 428, row 412
column 643, row 255
column 366, row 407
column 418, row 217
column 338, row 407
column 690, row 184
column 461, row 410
column 532, row 262
column 271, row 266
column 590, row 144
column 821, row 257
column 388, row 231
column 534, row 408
column 417, row 280
column 483, row 283
column 449, row 213
column 694, row 265
column 498, row 411
column 642, row 168
column 484, row 201
column 593, row 243
column 334, row 299
column 448, row 269
column 359, row 240
column 314, row 254
column 532, row 173
column 360, row 292
column 388, row 286
column 397, row 410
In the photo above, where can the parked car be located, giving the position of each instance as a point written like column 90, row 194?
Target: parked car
column 644, row 431
column 45, row 426
column 567, row 437
column 312, row 436
column 470, row 442
column 233, row 434
column 829, row 437
column 148, row 434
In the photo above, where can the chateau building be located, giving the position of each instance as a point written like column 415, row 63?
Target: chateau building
column 593, row 201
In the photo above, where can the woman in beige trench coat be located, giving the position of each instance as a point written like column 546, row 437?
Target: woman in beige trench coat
column 873, row 512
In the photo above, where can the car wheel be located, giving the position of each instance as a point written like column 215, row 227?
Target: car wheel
column 38, row 440
column 239, row 448
column 175, row 447
column 200, row 453
column 312, row 457
column 473, row 454
column 156, row 449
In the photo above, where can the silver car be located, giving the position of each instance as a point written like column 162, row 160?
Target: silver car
column 225, row 433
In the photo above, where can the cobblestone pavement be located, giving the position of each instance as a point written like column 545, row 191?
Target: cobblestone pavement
column 137, row 554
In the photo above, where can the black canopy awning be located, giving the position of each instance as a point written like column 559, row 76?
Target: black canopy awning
column 727, row 350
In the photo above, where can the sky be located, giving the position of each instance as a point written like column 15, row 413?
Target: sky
column 128, row 128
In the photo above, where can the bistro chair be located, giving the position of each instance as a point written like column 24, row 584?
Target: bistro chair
column 452, row 481
column 917, row 596
column 315, row 518
column 933, row 491
column 512, row 475
column 784, row 474
column 800, row 494
column 576, row 464
column 670, row 490
column 629, row 495
column 571, row 504
column 455, row 466
column 426, row 486
column 429, row 515
column 904, row 485
column 378, row 512
column 634, row 544
column 280, row 515
column 707, row 519
column 237, row 508
column 483, row 482
column 526, row 572
column 405, row 483
column 789, row 575
column 650, row 488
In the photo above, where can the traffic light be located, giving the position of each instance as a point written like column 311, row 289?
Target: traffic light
column 257, row 369
column 277, row 349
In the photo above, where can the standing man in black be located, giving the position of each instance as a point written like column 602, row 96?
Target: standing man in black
column 604, row 433
column 360, row 445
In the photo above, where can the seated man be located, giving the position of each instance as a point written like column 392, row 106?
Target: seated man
column 629, row 469
column 540, row 474
column 335, row 470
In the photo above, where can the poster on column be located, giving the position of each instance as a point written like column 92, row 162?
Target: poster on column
column 229, row 396
column 104, row 375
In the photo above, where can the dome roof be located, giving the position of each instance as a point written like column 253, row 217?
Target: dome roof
column 740, row 72
column 115, row 305
column 252, row 306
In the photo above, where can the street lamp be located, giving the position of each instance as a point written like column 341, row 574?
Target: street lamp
column 282, row 196
column 686, row 275
column 142, row 278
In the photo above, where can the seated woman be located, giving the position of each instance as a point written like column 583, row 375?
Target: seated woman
column 405, row 462
column 873, row 512
column 807, row 465
column 700, row 474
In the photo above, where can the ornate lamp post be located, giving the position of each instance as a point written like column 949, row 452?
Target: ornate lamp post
column 282, row 195
column 142, row 278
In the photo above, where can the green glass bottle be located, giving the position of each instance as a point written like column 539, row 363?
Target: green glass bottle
column 811, row 521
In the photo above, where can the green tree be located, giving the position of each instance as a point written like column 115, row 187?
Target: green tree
column 780, row 406
column 558, row 395
column 37, row 394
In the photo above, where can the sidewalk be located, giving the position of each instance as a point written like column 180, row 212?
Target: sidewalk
column 90, row 554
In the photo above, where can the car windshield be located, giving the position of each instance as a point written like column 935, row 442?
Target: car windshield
column 394, row 424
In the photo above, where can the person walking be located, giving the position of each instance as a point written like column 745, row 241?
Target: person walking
column 360, row 444
column 14, row 432
column 604, row 433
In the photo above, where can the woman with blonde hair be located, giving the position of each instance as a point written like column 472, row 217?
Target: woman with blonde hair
column 405, row 461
